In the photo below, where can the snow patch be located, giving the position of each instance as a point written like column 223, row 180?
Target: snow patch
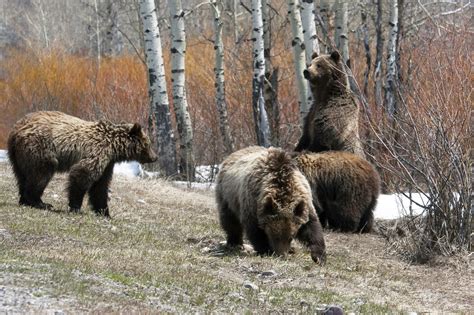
column 3, row 156
column 397, row 205
column 128, row 169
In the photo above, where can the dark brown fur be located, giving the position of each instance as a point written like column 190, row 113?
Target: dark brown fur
column 345, row 189
column 260, row 191
column 332, row 122
column 44, row 143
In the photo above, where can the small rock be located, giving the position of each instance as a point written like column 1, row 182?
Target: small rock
column 236, row 295
column 250, row 285
column 141, row 201
column 304, row 303
column 268, row 273
column 333, row 310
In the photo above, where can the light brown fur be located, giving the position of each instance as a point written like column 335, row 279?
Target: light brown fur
column 332, row 122
column 43, row 143
column 260, row 191
column 345, row 189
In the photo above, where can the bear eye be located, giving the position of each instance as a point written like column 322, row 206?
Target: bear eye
column 318, row 66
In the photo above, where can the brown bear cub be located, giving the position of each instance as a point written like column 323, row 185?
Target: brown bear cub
column 332, row 122
column 260, row 191
column 345, row 189
column 43, row 143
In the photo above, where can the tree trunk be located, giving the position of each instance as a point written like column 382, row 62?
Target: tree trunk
column 341, row 37
column 270, row 85
column 178, row 52
column 390, row 87
column 322, row 17
column 378, row 55
column 262, row 127
column 311, row 42
column 227, row 139
column 159, row 105
column 298, row 56
column 97, row 32
column 368, row 56
column 113, row 44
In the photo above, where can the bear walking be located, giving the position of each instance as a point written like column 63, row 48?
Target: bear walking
column 260, row 191
column 345, row 189
column 46, row 142
column 332, row 122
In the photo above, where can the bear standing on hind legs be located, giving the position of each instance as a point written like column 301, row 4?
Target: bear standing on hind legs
column 332, row 122
column 262, row 193
column 43, row 143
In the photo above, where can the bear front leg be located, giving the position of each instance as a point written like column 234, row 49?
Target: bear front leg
column 311, row 234
column 258, row 238
column 231, row 225
column 98, row 192
column 81, row 178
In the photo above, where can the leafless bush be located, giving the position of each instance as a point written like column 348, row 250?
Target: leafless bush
column 425, row 148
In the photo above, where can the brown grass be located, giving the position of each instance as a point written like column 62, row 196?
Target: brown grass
column 161, row 252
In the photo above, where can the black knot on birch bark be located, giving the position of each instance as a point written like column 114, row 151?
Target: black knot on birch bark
column 174, row 50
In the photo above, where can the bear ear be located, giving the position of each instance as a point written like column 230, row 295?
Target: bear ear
column 136, row 129
column 299, row 209
column 269, row 206
column 314, row 55
column 336, row 56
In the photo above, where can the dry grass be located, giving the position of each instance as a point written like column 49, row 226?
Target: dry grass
column 160, row 252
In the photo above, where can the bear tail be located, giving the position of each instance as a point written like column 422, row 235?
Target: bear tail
column 11, row 151
column 367, row 220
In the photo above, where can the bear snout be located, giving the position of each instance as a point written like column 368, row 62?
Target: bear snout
column 306, row 74
column 149, row 157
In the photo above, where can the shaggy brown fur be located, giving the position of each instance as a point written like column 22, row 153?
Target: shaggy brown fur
column 345, row 189
column 262, row 192
column 44, row 143
column 332, row 122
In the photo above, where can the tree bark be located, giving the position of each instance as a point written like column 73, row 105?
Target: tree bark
column 227, row 139
column 322, row 17
column 390, row 86
column 299, row 57
column 113, row 44
column 368, row 55
column 159, row 105
column 262, row 127
column 311, row 42
column 270, row 85
column 178, row 53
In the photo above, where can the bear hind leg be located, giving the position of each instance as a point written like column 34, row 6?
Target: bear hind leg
column 33, row 186
column 231, row 225
column 98, row 192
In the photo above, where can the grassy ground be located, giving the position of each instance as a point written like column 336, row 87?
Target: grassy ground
column 161, row 251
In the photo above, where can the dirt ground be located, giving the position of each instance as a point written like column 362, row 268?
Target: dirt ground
column 162, row 252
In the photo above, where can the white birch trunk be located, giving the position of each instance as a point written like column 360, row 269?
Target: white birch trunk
column 311, row 42
column 178, row 53
column 159, row 105
column 392, row 58
column 341, row 34
column 378, row 55
column 298, row 56
column 227, row 139
column 262, row 127
column 97, row 32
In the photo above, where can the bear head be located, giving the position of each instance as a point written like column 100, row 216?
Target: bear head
column 324, row 70
column 285, row 201
column 281, row 222
column 140, row 145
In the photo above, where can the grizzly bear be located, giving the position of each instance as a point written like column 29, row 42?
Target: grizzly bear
column 345, row 189
column 332, row 121
column 261, row 191
column 46, row 142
